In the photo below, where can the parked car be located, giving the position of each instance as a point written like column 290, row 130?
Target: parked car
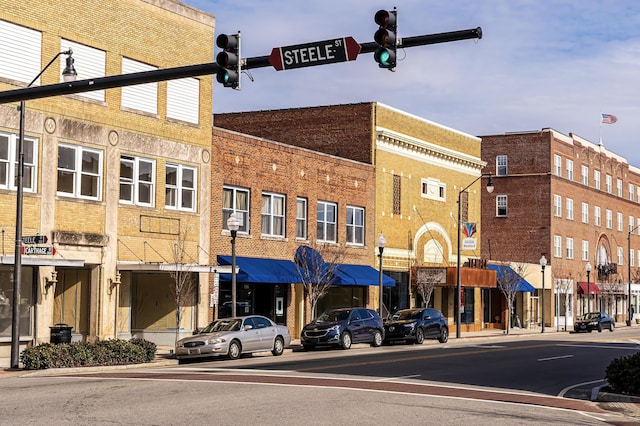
column 342, row 327
column 594, row 321
column 415, row 325
column 234, row 336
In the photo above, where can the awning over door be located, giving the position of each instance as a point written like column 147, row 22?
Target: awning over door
column 593, row 288
column 261, row 270
column 506, row 274
column 361, row 275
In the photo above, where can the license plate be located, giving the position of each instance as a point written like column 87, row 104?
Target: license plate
column 194, row 351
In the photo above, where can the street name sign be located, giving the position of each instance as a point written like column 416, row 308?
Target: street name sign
column 39, row 250
column 316, row 53
column 35, row 239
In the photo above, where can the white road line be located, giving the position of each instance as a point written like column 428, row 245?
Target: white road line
column 555, row 357
column 386, row 379
column 568, row 388
column 633, row 348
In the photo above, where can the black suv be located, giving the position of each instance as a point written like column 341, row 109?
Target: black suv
column 415, row 325
column 341, row 327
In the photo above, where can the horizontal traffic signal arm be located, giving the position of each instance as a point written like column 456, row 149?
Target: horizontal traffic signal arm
column 211, row 68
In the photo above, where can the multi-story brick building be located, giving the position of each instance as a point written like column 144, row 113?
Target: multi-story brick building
column 420, row 168
column 576, row 203
column 114, row 177
column 286, row 196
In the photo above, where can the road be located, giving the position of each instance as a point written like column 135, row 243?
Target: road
column 515, row 381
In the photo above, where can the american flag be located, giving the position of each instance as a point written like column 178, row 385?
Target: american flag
column 609, row 119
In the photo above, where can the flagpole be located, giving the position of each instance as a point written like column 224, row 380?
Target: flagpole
column 600, row 132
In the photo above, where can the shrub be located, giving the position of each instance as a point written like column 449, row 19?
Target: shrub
column 82, row 354
column 623, row 375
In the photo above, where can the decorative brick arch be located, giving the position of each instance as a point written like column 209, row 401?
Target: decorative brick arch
column 427, row 237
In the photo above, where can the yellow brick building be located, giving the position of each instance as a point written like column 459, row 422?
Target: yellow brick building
column 116, row 178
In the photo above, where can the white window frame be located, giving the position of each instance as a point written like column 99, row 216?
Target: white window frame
column 585, row 250
column 569, row 205
column 502, row 204
column 137, row 184
column 21, row 55
column 632, row 257
column 273, row 221
column 585, row 175
column 557, row 163
column 355, row 225
column 182, row 192
column 557, row 246
column 80, row 175
column 569, row 242
column 183, row 99
column 433, row 189
column 620, row 256
column 569, row 169
column 609, row 184
column 93, row 65
column 231, row 204
column 632, row 192
column 585, row 213
column 632, row 223
column 596, row 179
column 9, row 165
column 141, row 97
column 609, row 219
column 620, row 221
column 619, row 187
column 557, row 205
column 597, row 216
column 502, row 163
column 327, row 227
column 302, row 214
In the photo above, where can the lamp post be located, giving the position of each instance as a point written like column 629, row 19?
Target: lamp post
column 381, row 243
column 458, row 285
column 69, row 74
column 233, row 223
column 543, row 263
column 588, row 269
column 629, row 274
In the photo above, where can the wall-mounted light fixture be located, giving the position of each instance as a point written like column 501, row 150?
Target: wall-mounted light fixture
column 50, row 282
column 114, row 282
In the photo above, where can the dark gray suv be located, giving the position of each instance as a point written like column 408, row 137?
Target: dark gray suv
column 342, row 327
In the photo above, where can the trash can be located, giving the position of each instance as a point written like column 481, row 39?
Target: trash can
column 60, row 333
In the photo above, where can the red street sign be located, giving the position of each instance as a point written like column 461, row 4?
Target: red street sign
column 39, row 250
column 316, row 53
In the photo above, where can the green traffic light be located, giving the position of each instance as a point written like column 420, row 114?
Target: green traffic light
column 385, row 57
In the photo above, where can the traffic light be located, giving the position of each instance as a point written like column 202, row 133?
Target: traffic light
column 385, row 54
column 229, row 60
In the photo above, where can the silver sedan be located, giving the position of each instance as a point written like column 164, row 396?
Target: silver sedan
column 234, row 336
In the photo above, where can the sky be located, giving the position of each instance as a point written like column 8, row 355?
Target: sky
column 540, row 63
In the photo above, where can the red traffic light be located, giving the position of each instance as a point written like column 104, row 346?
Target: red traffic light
column 227, row 42
column 385, row 18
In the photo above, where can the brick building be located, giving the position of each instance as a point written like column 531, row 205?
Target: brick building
column 286, row 196
column 576, row 203
column 113, row 177
column 420, row 167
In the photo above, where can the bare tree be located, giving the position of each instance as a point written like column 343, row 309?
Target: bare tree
column 426, row 280
column 316, row 264
column 509, row 279
column 562, row 283
column 183, row 285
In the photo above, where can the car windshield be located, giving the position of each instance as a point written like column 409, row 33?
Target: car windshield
column 228, row 324
column 590, row 316
column 333, row 316
column 406, row 315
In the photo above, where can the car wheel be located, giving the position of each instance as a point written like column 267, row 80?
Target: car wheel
column 444, row 335
column 235, row 350
column 278, row 346
column 419, row 336
column 611, row 326
column 345, row 340
column 377, row 339
column 599, row 327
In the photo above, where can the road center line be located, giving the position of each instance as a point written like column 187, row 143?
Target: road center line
column 633, row 348
column 555, row 357
column 386, row 379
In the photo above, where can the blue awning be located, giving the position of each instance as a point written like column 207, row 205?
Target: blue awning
column 505, row 273
column 360, row 275
column 261, row 270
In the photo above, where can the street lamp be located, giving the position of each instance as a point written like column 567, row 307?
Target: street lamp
column 588, row 269
column 543, row 263
column 629, row 274
column 381, row 243
column 69, row 74
column 233, row 223
column 458, row 285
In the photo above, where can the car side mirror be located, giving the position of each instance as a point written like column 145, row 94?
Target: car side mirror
column 248, row 327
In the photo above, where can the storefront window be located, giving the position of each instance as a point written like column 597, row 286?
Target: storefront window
column 342, row 297
column 6, row 301
column 468, row 301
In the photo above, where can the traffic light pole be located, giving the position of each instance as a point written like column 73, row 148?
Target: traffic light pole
column 121, row 80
